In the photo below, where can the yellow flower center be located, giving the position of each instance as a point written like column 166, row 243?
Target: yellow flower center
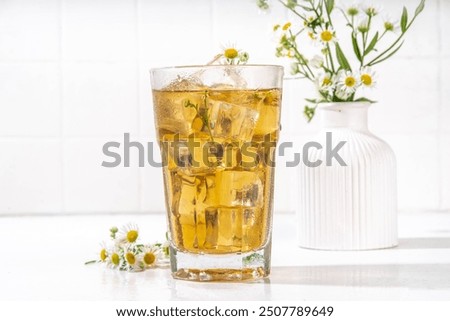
column 131, row 259
column 287, row 26
column 350, row 81
column 352, row 11
column 149, row 258
column 132, row 236
column 326, row 81
column 115, row 259
column 326, row 35
column 389, row 26
column 371, row 11
column 366, row 79
column 230, row 53
column 103, row 255
column 311, row 35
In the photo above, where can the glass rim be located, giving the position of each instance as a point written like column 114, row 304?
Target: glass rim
column 279, row 67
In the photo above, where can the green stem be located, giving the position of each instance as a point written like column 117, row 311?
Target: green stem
column 364, row 47
column 327, row 62
column 374, row 60
column 329, row 18
column 90, row 262
column 293, row 10
column 382, row 35
column 205, row 117
column 331, row 58
column 314, row 8
column 300, row 56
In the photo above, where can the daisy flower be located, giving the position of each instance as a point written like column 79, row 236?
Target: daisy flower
column 343, row 95
column 132, row 260
column 128, row 234
column 363, row 26
column 352, row 10
column 243, row 57
column 389, row 24
column 367, row 77
column 307, row 23
column 286, row 26
column 103, row 254
column 347, row 83
column 327, row 36
column 325, row 83
column 113, row 259
column 371, row 10
column 149, row 256
column 312, row 36
column 231, row 55
column 316, row 62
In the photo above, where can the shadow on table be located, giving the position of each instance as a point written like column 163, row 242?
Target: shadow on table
column 414, row 276
column 424, row 243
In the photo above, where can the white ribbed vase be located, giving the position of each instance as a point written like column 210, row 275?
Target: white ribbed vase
column 351, row 207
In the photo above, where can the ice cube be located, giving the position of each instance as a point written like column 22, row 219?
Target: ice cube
column 235, row 77
column 193, row 156
column 239, row 188
column 233, row 228
column 232, row 121
column 185, row 84
column 269, row 110
column 191, row 196
column 170, row 115
column 183, row 209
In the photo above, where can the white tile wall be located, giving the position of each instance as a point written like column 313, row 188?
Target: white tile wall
column 425, row 29
column 417, row 170
column 172, row 32
column 74, row 74
column 29, row 30
column 29, row 99
column 89, row 187
column 30, row 176
column 99, row 99
column 99, row 30
column 407, row 93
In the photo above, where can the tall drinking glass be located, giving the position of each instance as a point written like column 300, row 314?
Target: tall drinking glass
column 217, row 128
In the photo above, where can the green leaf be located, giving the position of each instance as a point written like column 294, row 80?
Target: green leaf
column 343, row 62
column 90, row 262
column 389, row 56
column 404, row 20
column 313, row 101
column 305, row 8
column 309, row 113
column 356, row 47
column 329, row 4
column 420, row 8
column 372, row 44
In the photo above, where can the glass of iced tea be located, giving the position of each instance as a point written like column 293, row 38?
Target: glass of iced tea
column 217, row 128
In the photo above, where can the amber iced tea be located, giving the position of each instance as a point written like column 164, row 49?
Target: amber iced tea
column 218, row 145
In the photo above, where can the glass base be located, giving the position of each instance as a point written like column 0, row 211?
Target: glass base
column 233, row 267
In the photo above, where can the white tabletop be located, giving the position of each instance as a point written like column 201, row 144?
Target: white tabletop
column 42, row 258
